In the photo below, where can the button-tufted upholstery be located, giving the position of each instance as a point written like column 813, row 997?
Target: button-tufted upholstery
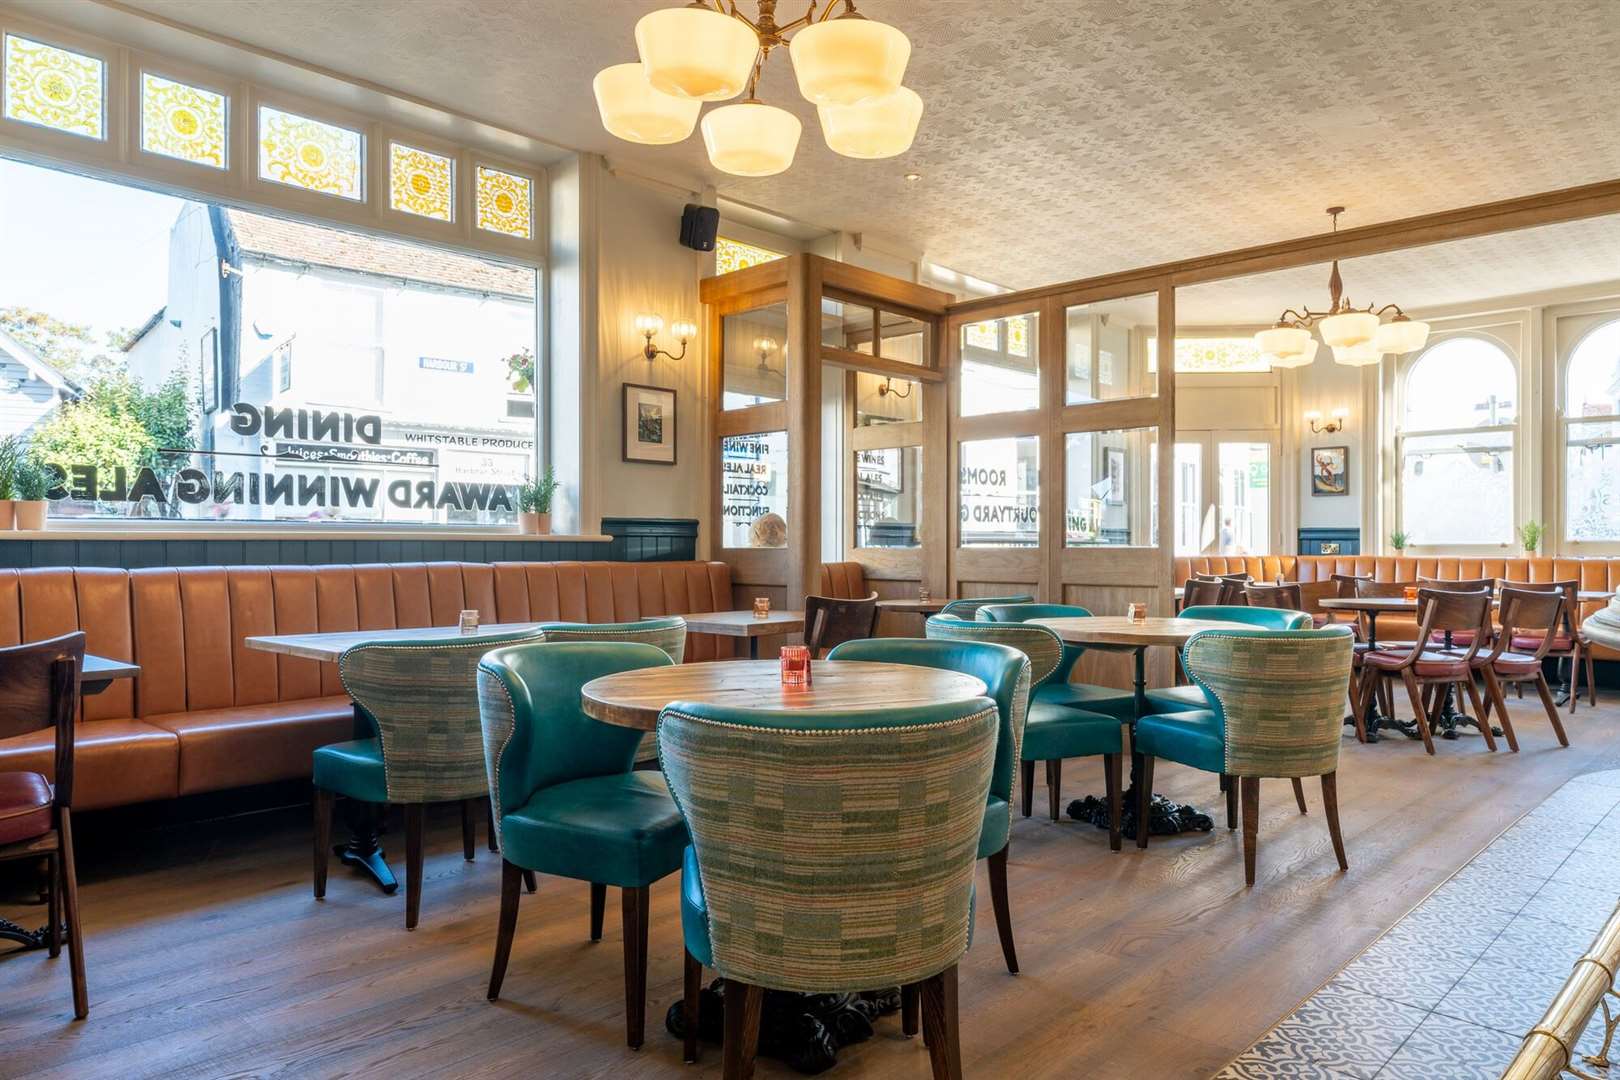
column 207, row 713
column 1315, row 573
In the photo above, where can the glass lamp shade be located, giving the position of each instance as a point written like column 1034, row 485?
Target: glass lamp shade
column 1401, row 336
column 847, row 60
column 649, row 324
column 635, row 112
column 751, row 138
column 1351, row 328
column 880, row 128
column 1284, row 341
column 684, row 331
column 1362, row 355
column 697, row 53
column 1295, row 360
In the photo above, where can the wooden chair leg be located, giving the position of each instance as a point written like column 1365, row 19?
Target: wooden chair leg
column 489, row 810
column 1330, row 810
column 1299, row 794
column 998, row 900
column 529, row 883
column 940, row 1026
column 1575, row 675
column 1111, row 767
column 743, row 1005
column 691, row 992
column 598, row 907
column 1591, row 678
column 70, row 901
column 1418, row 709
column 1479, row 711
column 1144, row 799
column 1249, row 789
column 469, row 831
column 324, row 802
column 1552, row 709
column 1029, row 787
column 1493, row 688
column 413, row 863
column 506, row 928
column 1231, row 802
column 910, row 997
column 53, row 901
column 635, row 964
column 1054, row 781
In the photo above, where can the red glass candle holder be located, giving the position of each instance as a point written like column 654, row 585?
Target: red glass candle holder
column 796, row 666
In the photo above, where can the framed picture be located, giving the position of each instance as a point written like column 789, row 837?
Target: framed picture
column 1328, row 547
column 1114, row 456
column 1330, row 470
column 649, row 424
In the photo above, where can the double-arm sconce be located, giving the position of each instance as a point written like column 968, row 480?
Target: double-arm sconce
column 650, row 326
column 1314, row 418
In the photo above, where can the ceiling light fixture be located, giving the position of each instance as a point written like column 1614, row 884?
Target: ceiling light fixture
column 848, row 66
column 1357, row 336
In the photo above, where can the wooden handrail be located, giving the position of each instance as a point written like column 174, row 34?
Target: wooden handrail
column 1549, row 1049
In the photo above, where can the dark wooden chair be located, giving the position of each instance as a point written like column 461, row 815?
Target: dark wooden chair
column 39, row 688
column 1344, row 588
column 1462, row 638
column 1531, row 618
column 1420, row 664
column 1201, row 592
column 1287, row 596
column 1566, row 643
column 1232, row 590
column 830, row 621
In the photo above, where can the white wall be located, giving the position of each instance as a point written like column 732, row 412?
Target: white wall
column 1323, row 387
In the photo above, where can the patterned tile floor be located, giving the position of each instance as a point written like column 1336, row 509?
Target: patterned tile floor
column 1450, row 990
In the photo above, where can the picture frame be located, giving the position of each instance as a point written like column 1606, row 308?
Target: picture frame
column 1330, row 470
column 649, row 424
column 1114, row 470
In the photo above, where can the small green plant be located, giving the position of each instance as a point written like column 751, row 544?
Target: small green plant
column 10, row 458
column 1398, row 540
column 32, row 480
column 1530, row 533
column 534, row 496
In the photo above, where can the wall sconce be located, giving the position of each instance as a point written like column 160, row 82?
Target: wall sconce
column 650, row 326
column 888, row 388
column 1314, row 418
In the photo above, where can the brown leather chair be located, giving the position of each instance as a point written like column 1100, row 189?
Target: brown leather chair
column 1566, row 643
column 39, row 691
column 831, row 621
column 1531, row 619
column 1418, row 664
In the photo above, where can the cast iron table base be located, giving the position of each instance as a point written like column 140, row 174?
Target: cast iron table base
column 804, row 1031
column 29, row 939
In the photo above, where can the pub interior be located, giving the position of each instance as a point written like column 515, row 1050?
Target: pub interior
column 897, row 538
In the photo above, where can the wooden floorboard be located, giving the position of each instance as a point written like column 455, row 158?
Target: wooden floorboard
column 208, row 957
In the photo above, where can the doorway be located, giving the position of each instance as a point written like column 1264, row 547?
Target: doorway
column 1224, row 482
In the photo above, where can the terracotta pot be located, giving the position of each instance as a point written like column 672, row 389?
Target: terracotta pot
column 6, row 513
column 542, row 523
column 528, row 522
column 30, row 514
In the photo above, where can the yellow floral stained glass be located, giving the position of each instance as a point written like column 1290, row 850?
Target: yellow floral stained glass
column 316, row 156
column 730, row 255
column 55, row 88
column 1018, row 335
column 420, row 182
column 505, row 203
column 982, row 335
column 182, row 121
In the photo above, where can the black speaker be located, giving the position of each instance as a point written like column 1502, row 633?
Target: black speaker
column 699, row 225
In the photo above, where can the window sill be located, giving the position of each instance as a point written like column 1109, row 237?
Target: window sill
column 122, row 531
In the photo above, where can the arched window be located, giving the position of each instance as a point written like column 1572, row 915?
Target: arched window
column 1591, row 422
column 1459, row 416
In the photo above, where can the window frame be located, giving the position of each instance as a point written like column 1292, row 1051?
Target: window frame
column 1596, row 315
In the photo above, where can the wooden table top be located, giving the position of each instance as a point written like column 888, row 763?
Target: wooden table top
column 635, row 698
column 333, row 645
column 914, row 606
column 101, row 669
column 745, row 624
column 1121, row 630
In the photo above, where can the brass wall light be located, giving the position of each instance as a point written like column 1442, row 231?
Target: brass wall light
column 1314, row 418
column 650, row 326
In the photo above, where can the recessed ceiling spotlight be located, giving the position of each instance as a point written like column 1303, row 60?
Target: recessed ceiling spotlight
column 913, row 177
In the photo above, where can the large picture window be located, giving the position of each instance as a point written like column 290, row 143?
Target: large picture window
column 170, row 358
column 1591, row 423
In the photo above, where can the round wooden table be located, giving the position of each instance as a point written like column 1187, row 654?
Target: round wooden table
column 634, row 699
column 1118, row 633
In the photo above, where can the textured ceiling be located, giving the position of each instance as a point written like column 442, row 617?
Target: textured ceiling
column 1066, row 139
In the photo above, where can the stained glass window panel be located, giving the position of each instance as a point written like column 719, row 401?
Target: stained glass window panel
column 421, row 183
column 182, row 121
column 309, row 154
column 55, row 88
column 730, row 255
column 505, row 203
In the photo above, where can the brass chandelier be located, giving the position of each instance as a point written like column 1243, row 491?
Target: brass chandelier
column 1357, row 336
column 848, row 66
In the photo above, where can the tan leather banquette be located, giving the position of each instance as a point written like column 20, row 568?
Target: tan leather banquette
column 1599, row 574
column 207, row 713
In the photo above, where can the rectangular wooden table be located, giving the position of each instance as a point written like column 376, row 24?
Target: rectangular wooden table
column 913, row 606
column 746, row 624
column 98, row 672
column 333, row 645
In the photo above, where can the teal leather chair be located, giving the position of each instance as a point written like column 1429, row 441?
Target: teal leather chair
column 667, row 632
column 966, row 608
column 1058, row 690
column 831, row 852
column 420, row 698
column 1272, row 709
column 568, row 800
column 1051, row 732
column 1006, row 675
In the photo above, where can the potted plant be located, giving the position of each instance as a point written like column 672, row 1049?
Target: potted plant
column 30, row 482
column 1530, row 534
column 1398, row 541
column 10, row 455
column 534, row 503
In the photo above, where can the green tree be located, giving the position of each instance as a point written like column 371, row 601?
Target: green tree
column 117, row 422
column 68, row 347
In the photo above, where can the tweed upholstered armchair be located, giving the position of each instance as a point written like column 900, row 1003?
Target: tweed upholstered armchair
column 667, row 633
column 831, row 852
column 1272, row 710
column 420, row 698
column 1057, row 689
column 970, row 606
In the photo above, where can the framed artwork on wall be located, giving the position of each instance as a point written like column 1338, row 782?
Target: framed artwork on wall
column 1114, row 457
column 649, row 424
column 1330, row 470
